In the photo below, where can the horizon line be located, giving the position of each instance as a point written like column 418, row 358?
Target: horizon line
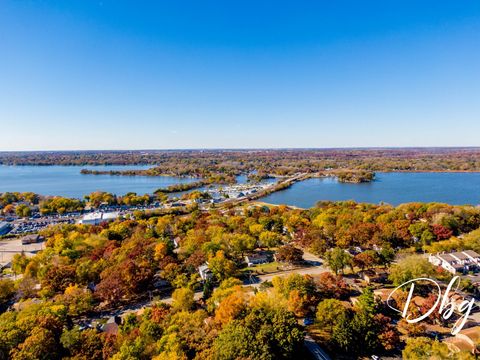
column 247, row 149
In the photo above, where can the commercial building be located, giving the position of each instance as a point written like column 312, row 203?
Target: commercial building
column 5, row 227
column 31, row 239
column 98, row 218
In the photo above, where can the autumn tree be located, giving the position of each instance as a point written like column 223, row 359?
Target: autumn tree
column 442, row 232
column 231, row 307
column 78, row 300
column 331, row 286
column 366, row 259
column 40, row 344
column 221, row 266
column 289, row 254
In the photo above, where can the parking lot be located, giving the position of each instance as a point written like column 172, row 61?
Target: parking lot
column 8, row 248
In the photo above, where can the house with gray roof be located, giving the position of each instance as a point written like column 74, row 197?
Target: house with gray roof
column 456, row 262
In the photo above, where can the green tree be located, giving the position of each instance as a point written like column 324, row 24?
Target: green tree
column 261, row 334
column 386, row 255
column 269, row 238
column 23, row 210
column 338, row 260
column 86, row 344
column 7, row 290
column 328, row 313
column 19, row 263
column 343, row 334
column 420, row 348
column 221, row 266
column 427, row 237
column 410, row 267
column 183, row 299
column 417, row 229
column 242, row 242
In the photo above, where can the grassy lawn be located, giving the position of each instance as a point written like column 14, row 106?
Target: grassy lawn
column 265, row 268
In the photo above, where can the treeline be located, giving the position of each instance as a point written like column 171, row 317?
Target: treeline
column 209, row 176
column 206, row 163
column 181, row 187
column 258, row 176
column 25, row 204
column 9, row 198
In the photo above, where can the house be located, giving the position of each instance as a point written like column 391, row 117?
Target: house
column 97, row 218
column 465, row 340
column 176, row 242
column 257, row 258
column 177, row 204
column 205, row 272
column 353, row 300
column 159, row 283
column 31, row 239
column 112, row 325
column 21, row 305
column 456, row 345
column 382, row 294
column 460, row 261
column 355, row 250
column 374, row 276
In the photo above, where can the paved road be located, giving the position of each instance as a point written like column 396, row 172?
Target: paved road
column 317, row 352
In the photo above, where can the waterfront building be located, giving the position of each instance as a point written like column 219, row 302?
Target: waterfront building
column 98, row 218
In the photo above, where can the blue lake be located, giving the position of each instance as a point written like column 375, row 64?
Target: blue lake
column 392, row 188
column 67, row 180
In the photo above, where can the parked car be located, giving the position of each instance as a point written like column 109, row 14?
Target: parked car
column 307, row 321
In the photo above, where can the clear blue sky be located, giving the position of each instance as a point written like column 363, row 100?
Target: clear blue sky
column 114, row 74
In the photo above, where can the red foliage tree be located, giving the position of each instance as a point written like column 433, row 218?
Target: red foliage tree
column 442, row 232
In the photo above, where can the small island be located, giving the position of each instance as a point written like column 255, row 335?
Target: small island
column 355, row 177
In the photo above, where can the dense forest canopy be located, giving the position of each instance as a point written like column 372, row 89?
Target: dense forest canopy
column 280, row 162
column 85, row 271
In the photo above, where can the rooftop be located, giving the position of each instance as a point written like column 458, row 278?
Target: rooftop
column 458, row 255
column 101, row 216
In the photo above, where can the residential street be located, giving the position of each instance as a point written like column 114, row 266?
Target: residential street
column 316, row 351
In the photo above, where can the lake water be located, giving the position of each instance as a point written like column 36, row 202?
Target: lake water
column 392, row 188
column 67, row 180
